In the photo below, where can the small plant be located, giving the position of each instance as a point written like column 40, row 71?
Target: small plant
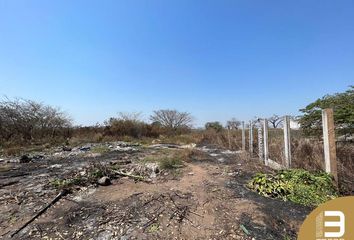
column 170, row 163
column 97, row 170
column 154, row 228
column 66, row 183
column 296, row 185
column 100, row 149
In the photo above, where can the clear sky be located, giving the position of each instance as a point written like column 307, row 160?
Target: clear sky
column 216, row 59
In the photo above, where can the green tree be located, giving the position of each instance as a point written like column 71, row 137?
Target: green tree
column 214, row 125
column 343, row 107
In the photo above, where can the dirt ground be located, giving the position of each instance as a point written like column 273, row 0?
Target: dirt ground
column 206, row 199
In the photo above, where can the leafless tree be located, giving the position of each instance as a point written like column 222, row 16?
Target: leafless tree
column 172, row 119
column 233, row 124
column 275, row 121
column 26, row 119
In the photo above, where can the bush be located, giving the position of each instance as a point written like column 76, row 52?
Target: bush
column 131, row 125
column 299, row 186
column 170, row 163
column 214, row 125
column 25, row 121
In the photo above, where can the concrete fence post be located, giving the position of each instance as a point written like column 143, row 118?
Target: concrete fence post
column 329, row 143
column 243, row 136
column 260, row 144
column 228, row 136
column 287, row 143
column 251, row 138
column 265, row 139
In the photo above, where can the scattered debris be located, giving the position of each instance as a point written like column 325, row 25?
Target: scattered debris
column 154, row 168
column 244, row 229
column 56, row 166
column 204, row 199
column 164, row 146
column 170, row 145
column 85, row 148
column 135, row 177
column 188, row 146
column 56, row 199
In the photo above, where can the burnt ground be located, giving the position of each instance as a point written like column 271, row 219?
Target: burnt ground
column 206, row 199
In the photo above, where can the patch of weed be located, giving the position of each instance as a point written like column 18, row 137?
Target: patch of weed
column 154, row 228
column 100, row 149
column 166, row 162
column 296, row 185
column 66, row 183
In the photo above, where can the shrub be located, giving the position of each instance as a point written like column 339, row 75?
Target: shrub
column 296, row 185
column 170, row 163
column 25, row 121
column 214, row 125
column 167, row 162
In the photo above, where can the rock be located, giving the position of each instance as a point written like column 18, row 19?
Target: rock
column 105, row 235
column 25, row 159
column 104, row 181
column 66, row 149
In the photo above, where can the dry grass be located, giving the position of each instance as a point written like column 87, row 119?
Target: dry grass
column 307, row 153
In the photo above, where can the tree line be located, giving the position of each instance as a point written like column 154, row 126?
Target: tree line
column 26, row 121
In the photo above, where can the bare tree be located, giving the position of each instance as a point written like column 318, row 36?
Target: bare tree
column 233, row 124
column 275, row 121
column 172, row 119
column 130, row 116
column 25, row 120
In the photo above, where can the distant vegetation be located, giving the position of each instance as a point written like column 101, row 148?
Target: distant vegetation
column 343, row 106
column 23, row 121
column 26, row 122
column 214, row 125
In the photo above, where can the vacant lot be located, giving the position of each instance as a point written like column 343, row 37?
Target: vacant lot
column 156, row 192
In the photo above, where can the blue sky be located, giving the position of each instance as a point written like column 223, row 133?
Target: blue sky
column 216, row 59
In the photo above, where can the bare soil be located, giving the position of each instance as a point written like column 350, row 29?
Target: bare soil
column 206, row 199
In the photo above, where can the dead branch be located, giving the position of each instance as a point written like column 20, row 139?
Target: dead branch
column 153, row 220
column 136, row 177
column 56, row 199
